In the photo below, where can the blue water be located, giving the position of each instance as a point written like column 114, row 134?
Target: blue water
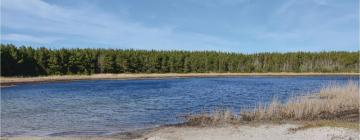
column 98, row 107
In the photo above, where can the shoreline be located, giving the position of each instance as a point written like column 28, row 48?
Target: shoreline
column 12, row 81
column 146, row 133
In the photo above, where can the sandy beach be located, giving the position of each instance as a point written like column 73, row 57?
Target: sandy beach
column 247, row 132
column 270, row 132
column 9, row 81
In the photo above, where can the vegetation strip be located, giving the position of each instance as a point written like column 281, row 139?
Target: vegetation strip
column 28, row 61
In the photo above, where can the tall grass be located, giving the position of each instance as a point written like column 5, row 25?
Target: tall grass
column 333, row 102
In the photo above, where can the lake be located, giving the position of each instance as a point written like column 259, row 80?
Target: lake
column 101, row 107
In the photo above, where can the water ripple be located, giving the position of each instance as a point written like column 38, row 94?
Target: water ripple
column 104, row 106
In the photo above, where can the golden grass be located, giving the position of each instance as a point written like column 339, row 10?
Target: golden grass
column 16, row 80
column 334, row 102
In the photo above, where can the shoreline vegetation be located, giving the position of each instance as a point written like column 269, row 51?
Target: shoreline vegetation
column 11, row 81
column 333, row 102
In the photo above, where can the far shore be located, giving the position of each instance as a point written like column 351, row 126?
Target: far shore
column 11, row 81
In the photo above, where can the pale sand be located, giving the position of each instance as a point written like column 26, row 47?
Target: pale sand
column 8, row 81
column 264, row 132
column 243, row 132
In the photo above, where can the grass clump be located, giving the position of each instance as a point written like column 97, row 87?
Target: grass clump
column 217, row 117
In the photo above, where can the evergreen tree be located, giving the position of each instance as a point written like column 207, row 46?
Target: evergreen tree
column 27, row 61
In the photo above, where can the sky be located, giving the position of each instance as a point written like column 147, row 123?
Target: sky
column 245, row 26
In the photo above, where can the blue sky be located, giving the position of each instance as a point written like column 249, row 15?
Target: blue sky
column 246, row 26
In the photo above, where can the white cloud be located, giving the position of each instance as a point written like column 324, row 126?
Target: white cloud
column 308, row 24
column 322, row 26
column 95, row 26
column 28, row 38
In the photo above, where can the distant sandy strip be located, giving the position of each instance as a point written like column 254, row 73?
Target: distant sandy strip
column 9, row 81
column 241, row 132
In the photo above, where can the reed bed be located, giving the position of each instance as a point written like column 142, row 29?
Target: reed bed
column 333, row 102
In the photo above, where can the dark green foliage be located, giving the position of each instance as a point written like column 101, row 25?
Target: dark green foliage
column 26, row 61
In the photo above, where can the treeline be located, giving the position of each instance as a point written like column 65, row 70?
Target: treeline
column 28, row 61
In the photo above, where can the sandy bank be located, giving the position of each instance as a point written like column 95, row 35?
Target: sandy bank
column 9, row 81
column 266, row 131
column 269, row 132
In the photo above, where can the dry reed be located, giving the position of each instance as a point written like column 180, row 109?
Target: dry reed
column 333, row 102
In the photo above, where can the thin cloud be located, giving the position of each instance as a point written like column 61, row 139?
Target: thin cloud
column 99, row 27
column 28, row 38
column 260, row 26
